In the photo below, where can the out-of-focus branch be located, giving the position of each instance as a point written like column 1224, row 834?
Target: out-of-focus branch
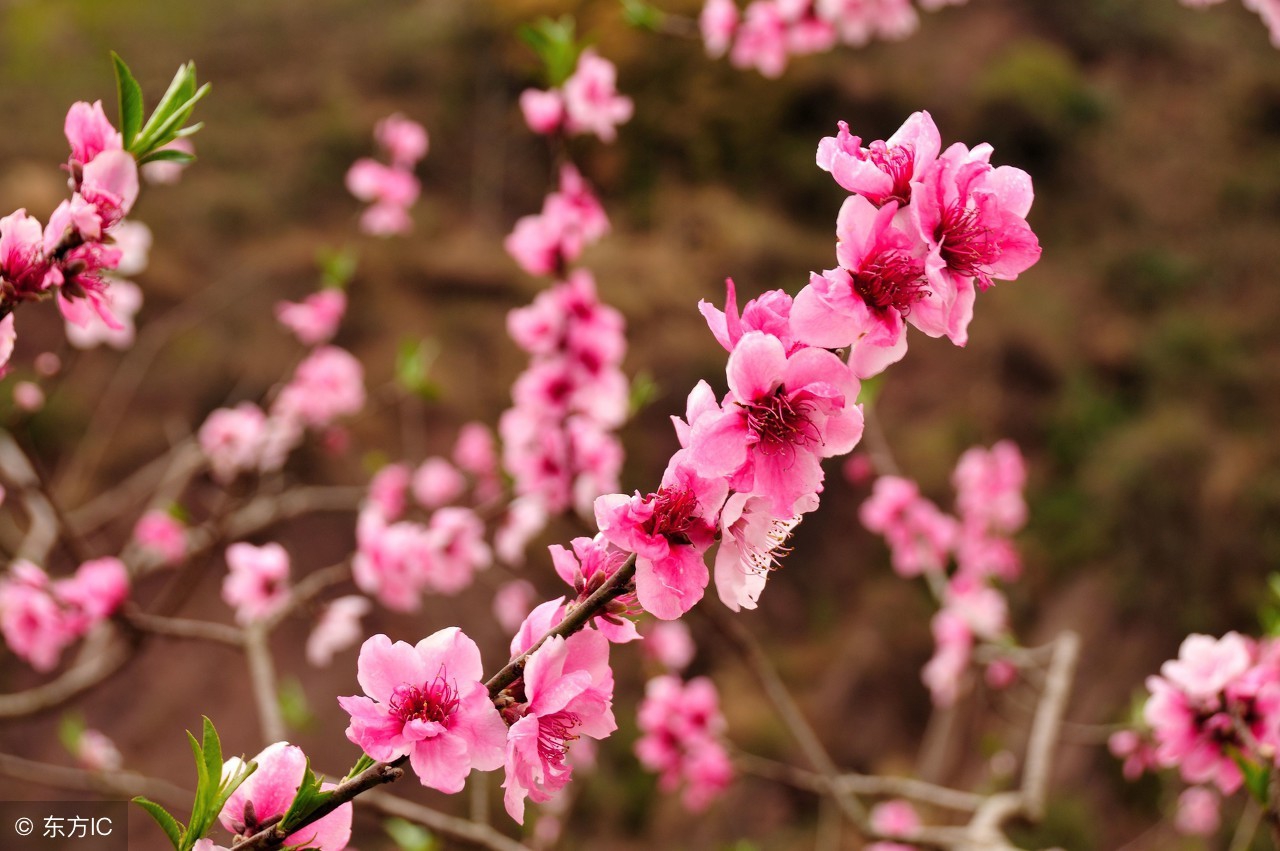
column 73, row 682
column 462, row 830
column 262, row 676
column 18, row 471
column 124, row 784
column 311, row 586
column 155, row 481
column 789, row 712
column 183, row 628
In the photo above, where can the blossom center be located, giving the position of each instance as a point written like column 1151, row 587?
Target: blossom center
column 781, row 423
column 674, row 511
column 434, row 701
column 555, row 731
column 966, row 245
column 898, row 162
column 891, row 280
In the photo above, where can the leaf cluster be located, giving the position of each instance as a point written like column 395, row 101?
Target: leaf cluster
column 212, row 791
column 556, row 46
column 168, row 121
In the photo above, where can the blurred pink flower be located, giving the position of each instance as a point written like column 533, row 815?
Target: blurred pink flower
column 337, row 628
column 315, row 319
column 163, row 535
column 257, row 582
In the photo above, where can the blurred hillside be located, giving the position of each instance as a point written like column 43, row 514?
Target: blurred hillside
column 1137, row 365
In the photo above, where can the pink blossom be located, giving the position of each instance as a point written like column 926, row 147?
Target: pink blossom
column 1000, row 674
column 328, row 384
column 543, row 111
column 110, row 184
column 770, row 313
column 591, row 100
column 86, row 327
column 35, row 624
column 427, row 701
column 96, row 752
column 588, row 565
column 717, row 23
column 682, row 727
column 782, row 416
column 315, row 319
column 865, row 303
column 23, row 264
column 8, row 339
column 954, row 643
column 266, row 794
column 571, row 219
column 162, row 535
column 752, row 540
column 920, row 536
column 526, row 516
column 404, row 140
column 973, row 218
column 670, row 644
column 47, row 364
column 669, row 531
column 1136, row 751
column 989, row 484
column 475, row 452
column 391, row 560
column 27, row 396
column 437, row 482
column 883, row 171
column 982, row 608
column 232, row 440
column 134, row 241
column 337, row 628
column 98, row 587
column 569, row 691
column 1206, row 666
column 512, row 602
column 257, row 582
column 1198, row 812
column 761, row 41
column 89, row 132
column 388, row 491
column 389, row 189
column 1269, row 11
column 456, row 539
column 895, row 818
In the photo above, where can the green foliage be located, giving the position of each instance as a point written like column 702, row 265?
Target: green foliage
column 337, row 266
column 643, row 391
column 1269, row 611
column 70, row 728
column 413, row 367
column 294, row 706
column 641, row 15
column 168, row 120
column 410, row 837
column 212, row 792
column 365, row 761
column 1257, row 777
column 554, row 42
column 309, row 797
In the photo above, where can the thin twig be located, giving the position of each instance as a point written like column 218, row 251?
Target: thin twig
column 262, row 676
column 481, row 835
column 183, row 628
column 124, row 784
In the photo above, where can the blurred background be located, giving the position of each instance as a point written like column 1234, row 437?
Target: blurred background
column 1137, row 365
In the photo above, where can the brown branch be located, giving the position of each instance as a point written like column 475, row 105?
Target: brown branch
column 124, row 784
column 183, row 628
column 262, row 677
column 73, row 682
column 469, row 832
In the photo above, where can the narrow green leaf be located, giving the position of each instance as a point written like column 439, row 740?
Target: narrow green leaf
column 172, row 827
column 641, row 15
column 179, row 87
column 130, row 101
column 212, row 754
column 167, row 155
column 166, row 129
column 70, row 729
column 189, row 131
column 1256, row 777
column 229, row 785
column 365, row 761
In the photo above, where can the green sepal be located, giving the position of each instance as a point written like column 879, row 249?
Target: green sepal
column 1257, row 778
column 168, row 155
column 172, row 827
column 130, row 101
column 413, row 367
column 365, row 761
column 71, row 727
column 409, row 836
column 337, row 266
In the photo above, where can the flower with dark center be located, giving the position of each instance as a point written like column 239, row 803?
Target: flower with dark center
column 781, row 423
column 899, row 163
column 966, row 244
column 435, row 701
column 891, row 280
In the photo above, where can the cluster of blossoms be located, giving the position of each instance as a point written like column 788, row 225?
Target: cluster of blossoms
column 588, row 102
column 921, row 235
column 39, row 617
column 1268, row 10
column 1214, row 708
column 389, row 189
column 327, row 384
column 399, row 558
column 681, row 728
column 571, row 219
column 923, row 540
column 767, row 33
column 73, row 253
column 557, row 438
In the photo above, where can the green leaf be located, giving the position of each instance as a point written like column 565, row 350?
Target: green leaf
column 172, row 827
column 294, row 706
column 413, row 367
column 130, row 101
column 167, row 129
column 643, row 391
column 181, row 88
column 641, row 15
column 70, row 729
column 871, row 388
column 554, row 42
column 337, row 266
column 212, row 754
column 409, row 836
column 1257, row 777
column 365, row 761
column 168, row 155
column 306, row 800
